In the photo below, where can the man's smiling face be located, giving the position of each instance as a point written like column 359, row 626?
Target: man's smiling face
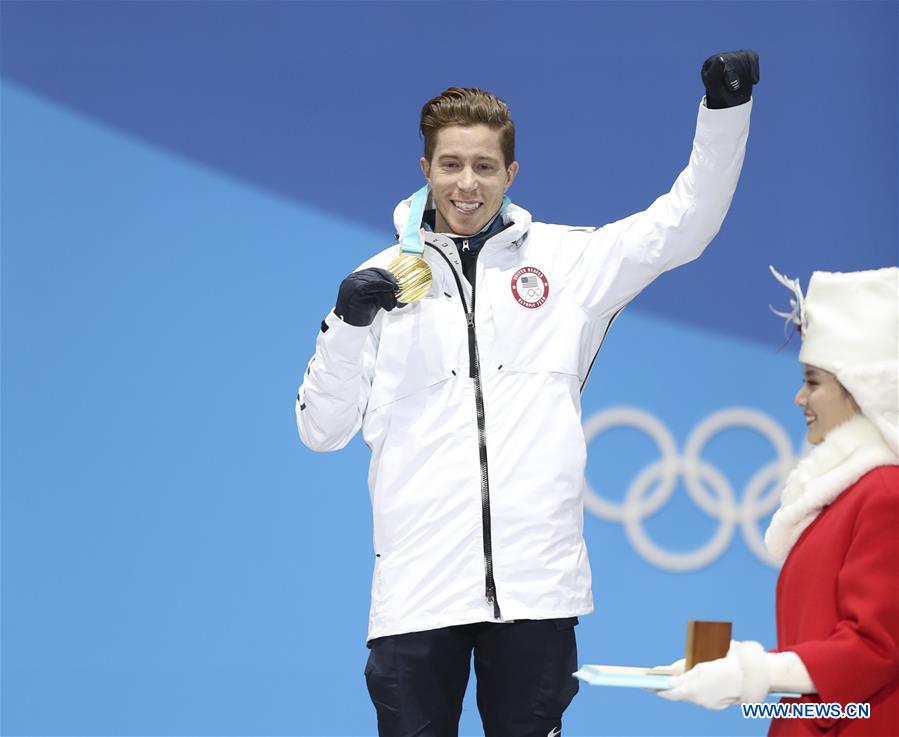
column 468, row 177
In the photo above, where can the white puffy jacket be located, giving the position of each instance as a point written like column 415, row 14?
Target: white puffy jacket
column 474, row 419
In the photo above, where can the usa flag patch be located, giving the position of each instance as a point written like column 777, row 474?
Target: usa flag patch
column 530, row 287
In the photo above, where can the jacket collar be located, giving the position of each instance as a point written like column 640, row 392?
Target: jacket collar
column 518, row 220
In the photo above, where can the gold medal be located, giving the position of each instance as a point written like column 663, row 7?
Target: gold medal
column 414, row 276
column 409, row 267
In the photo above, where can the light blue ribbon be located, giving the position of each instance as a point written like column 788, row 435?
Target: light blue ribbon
column 411, row 240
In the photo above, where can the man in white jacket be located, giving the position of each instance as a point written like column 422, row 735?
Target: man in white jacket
column 470, row 402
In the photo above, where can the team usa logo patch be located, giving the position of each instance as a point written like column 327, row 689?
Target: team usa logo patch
column 530, row 287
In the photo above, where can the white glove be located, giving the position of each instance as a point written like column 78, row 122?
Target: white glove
column 676, row 668
column 742, row 676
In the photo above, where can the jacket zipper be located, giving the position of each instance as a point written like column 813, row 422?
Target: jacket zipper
column 474, row 373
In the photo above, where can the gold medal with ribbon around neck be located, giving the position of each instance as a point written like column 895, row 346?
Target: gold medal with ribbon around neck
column 409, row 267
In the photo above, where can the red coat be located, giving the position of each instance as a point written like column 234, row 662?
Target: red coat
column 838, row 608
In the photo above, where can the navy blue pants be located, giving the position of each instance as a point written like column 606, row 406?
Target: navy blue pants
column 417, row 680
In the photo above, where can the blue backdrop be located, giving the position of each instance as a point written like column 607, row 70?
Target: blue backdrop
column 183, row 187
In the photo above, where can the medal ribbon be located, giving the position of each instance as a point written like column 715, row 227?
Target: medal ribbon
column 409, row 267
column 411, row 239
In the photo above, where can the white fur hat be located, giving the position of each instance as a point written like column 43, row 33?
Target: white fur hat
column 850, row 327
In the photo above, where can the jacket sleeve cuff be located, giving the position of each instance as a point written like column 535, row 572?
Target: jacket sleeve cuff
column 342, row 340
column 724, row 124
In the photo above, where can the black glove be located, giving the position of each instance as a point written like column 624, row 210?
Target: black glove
column 363, row 293
column 728, row 78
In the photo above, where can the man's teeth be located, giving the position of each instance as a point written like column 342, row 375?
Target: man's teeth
column 467, row 206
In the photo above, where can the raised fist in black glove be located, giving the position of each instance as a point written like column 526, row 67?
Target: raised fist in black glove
column 363, row 293
column 728, row 78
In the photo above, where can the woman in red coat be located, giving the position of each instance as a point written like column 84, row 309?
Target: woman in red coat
column 837, row 528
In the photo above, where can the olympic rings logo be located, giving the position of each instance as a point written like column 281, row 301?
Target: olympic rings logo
column 657, row 482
